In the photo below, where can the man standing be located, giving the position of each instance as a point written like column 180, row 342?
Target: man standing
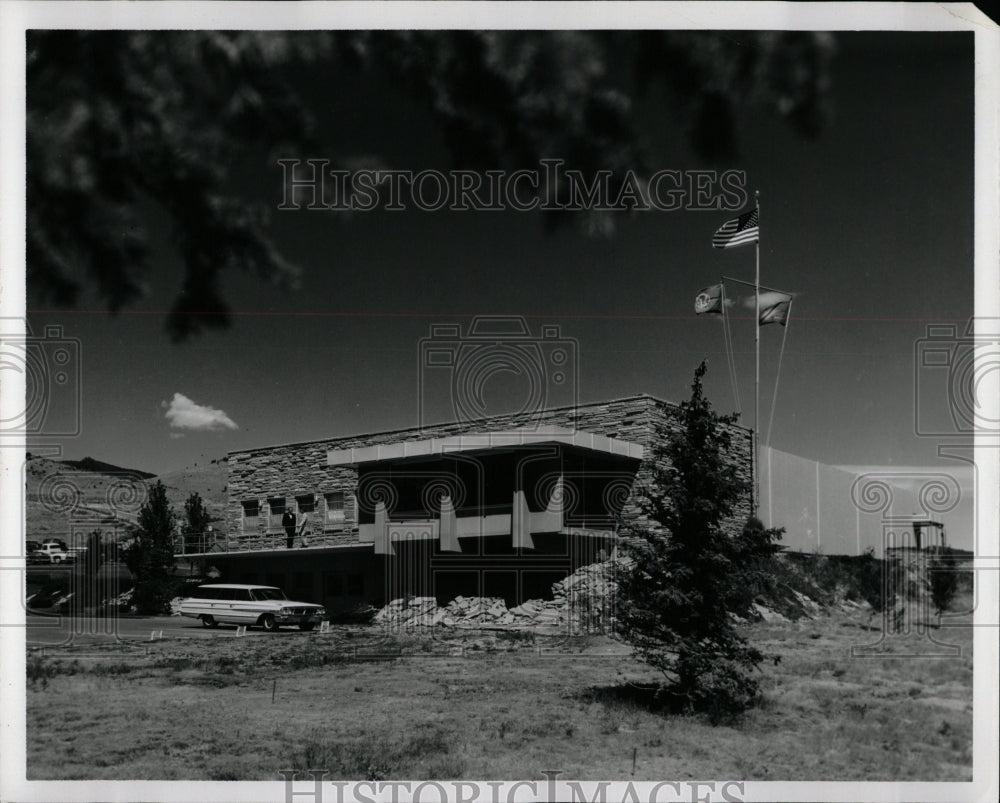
column 288, row 522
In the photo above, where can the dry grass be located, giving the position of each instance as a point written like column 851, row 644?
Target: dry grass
column 493, row 706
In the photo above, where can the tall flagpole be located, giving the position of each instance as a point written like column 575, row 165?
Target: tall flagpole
column 755, row 467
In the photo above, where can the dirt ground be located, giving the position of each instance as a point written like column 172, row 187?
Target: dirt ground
column 366, row 704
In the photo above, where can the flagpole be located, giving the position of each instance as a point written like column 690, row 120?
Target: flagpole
column 755, row 467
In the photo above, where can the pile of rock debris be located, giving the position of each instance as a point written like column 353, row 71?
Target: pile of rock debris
column 581, row 602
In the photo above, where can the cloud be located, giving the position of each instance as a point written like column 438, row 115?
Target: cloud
column 182, row 413
column 914, row 478
column 767, row 299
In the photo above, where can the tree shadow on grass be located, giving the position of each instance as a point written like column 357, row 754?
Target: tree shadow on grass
column 659, row 699
column 653, row 697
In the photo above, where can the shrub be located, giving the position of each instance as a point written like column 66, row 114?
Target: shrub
column 943, row 578
column 363, row 614
column 38, row 669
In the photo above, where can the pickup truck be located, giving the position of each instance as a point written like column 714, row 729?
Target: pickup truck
column 56, row 551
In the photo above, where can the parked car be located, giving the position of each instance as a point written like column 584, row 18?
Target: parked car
column 33, row 553
column 55, row 551
column 250, row 605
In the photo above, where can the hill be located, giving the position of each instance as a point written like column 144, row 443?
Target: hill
column 69, row 499
column 209, row 480
column 90, row 464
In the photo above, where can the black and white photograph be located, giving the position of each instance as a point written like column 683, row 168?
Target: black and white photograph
column 499, row 401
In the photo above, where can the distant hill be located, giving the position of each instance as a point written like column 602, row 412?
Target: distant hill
column 69, row 499
column 207, row 479
column 90, row 464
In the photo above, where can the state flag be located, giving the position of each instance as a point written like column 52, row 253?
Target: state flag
column 776, row 311
column 708, row 300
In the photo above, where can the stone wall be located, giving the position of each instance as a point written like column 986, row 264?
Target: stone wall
column 297, row 469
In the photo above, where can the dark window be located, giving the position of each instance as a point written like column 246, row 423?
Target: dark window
column 306, row 503
column 276, row 505
column 263, row 594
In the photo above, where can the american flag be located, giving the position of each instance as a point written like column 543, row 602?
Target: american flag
column 738, row 231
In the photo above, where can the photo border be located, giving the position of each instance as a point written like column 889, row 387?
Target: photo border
column 17, row 17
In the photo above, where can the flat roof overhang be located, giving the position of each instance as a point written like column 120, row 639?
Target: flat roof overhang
column 484, row 442
column 277, row 551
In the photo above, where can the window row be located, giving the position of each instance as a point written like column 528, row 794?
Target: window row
column 333, row 510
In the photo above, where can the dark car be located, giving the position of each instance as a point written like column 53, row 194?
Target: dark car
column 33, row 553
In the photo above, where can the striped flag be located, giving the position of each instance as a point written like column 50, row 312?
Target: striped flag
column 708, row 300
column 738, row 231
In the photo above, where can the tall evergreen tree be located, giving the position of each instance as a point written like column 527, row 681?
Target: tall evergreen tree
column 196, row 519
column 150, row 557
column 689, row 573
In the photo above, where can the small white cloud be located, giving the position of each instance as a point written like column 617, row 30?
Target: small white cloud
column 767, row 298
column 182, row 413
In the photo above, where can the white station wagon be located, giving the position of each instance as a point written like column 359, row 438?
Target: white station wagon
column 266, row 606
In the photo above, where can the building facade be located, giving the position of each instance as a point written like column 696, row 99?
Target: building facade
column 498, row 507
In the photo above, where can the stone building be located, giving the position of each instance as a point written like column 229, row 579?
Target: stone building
column 497, row 507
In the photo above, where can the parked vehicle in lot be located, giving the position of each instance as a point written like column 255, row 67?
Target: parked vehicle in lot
column 264, row 606
column 33, row 553
column 55, row 551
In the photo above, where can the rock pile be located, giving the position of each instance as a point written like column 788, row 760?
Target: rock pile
column 583, row 601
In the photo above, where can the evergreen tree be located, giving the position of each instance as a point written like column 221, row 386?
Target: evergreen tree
column 150, row 557
column 689, row 575
column 196, row 519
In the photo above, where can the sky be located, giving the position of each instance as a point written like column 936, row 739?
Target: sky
column 870, row 225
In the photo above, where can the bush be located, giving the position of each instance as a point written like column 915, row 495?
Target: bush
column 38, row 669
column 943, row 577
column 363, row 614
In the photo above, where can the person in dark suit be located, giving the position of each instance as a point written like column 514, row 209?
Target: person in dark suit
column 288, row 522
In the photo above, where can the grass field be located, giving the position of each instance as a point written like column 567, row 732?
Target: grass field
column 495, row 705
